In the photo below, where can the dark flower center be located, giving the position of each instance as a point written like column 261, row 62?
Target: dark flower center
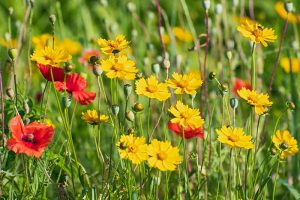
column 28, row 138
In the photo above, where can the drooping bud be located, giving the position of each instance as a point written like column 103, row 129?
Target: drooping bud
column 115, row 109
column 212, row 75
column 138, row 107
column 127, row 89
column 224, row 88
column 234, row 103
column 155, row 68
column 10, row 93
column 94, row 59
column 52, row 19
column 273, row 151
column 12, row 53
column 129, row 116
column 288, row 6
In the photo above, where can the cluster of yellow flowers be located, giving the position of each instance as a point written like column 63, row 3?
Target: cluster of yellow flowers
column 159, row 154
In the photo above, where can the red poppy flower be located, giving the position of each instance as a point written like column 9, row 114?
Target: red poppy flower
column 75, row 85
column 87, row 54
column 239, row 84
column 58, row 73
column 31, row 139
column 188, row 132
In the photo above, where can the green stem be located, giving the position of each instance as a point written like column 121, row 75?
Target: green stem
column 275, row 180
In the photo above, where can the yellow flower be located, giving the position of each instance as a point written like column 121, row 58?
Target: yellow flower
column 285, row 143
column 182, row 34
column 10, row 43
column 71, row 46
column 185, row 116
column 257, row 33
column 42, row 41
column 132, row 148
column 48, row 122
column 113, row 46
column 50, row 56
column 186, row 83
column 163, row 156
column 119, row 67
column 286, row 64
column 293, row 18
column 234, row 137
column 92, row 117
column 151, row 88
column 166, row 39
column 259, row 101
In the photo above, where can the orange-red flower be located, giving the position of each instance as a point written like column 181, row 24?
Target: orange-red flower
column 239, row 84
column 58, row 73
column 31, row 139
column 188, row 131
column 76, row 85
column 87, row 54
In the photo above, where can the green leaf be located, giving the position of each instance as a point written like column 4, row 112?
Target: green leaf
column 292, row 190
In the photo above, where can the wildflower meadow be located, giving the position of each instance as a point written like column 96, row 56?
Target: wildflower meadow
column 152, row 99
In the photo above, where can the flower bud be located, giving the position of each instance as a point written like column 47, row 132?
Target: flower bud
column 12, row 53
column 159, row 59
column 235, row 3
column 127, row 89
column 206, row 4
column 130, row 131
column 115, row 109
column 94, row 59
column 218, row 9
column 230, row 44
column 149, row 46
column 131, row 7
column 66, row 101
column 212, row 75
column 273, row 151
column 10, row 11
column 138, row 107
column 234, row 103
column 27, row 121
column 68, row 67
column 290, row 105
column 10, row 93
column 155, row 68
column 52, row 19
column 288, row 6
column 224, row 88
column 193, row 95
column 129, row 116
column 97, row 70
column 166, row 63
column 26, row 107
column 229, row 55
column 138, row 75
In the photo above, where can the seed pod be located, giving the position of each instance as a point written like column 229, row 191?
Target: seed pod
column 234, row 103
column 115, row 109
column 218, row 9
column 52, row 19
column 166, row 63
column 155, row 68
column 10, row 93
column 212, row 75
column 68, row 67
column 129, row 116
column 127, row 89
column 26, row 107
column 97, row 70
column 206, row 4
column 12, row 53
column 130, row 131
column 229, row 55
column 138, row 107
column 10, row 11
column 94, row 59
column 288, row 6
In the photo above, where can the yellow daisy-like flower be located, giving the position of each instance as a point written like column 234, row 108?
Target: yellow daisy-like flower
column 11, row 43
column 93, row 117
column 166, row 39
column 257, row 33
column 163, row 156
column 42, row 41
column 285, row 143
column 71, row 46
column 185, row 83
column 119, row 67
column 293, row 18
column 185, row 116
column 151, row 88
column 287, row 64
column 182, row 34
column 48, row 122
column 259, row 101
column 113, row 46
column 234, row 137
column 132, row 148
column 50, row 56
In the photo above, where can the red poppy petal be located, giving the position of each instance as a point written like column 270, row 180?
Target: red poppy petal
column 76, row 83
column 43, row 136
column 58, row 73
column 188, row 131
column 174, row 127
column 16, row 127
column 19, row 147
column 59, row 86
column 83, row 97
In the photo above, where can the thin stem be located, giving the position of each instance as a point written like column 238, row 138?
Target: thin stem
column 2, row 108
column 275, row 180
column 253, row 68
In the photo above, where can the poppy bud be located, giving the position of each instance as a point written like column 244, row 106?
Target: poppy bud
column 26, row 107
column 131, row 7
column 127, row 89
column 206, row 5
column 288, row 6
column 290, row 105
column 155, row 68
column 12, row 53
column 97, row 70
column 10, row 93
column 166, row 63
column 212, row 75
column 94, row 59
column 138, row 107
column 229, row 55
column 218, row 9
column 130, row 131
column 129, row 116
column 10, row 11
column 52, row 19
column 115, row 109
column 68, row 67
column 138, row 75
column 230, row 44
column 66, row 101
column 235, row 3
column 234, row 103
